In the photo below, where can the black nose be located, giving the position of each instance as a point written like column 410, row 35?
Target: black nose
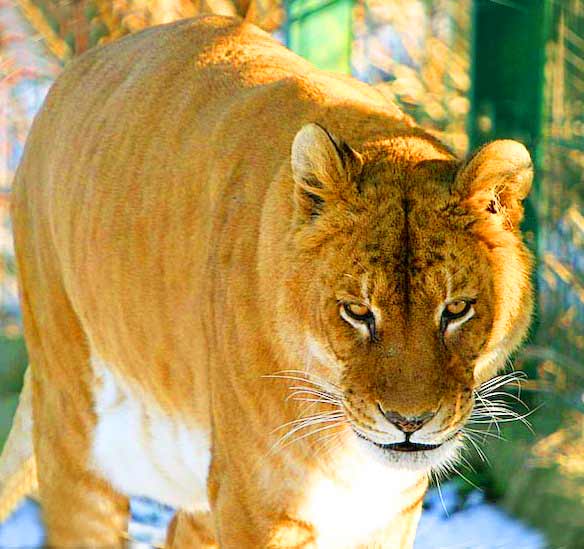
column 407, row 424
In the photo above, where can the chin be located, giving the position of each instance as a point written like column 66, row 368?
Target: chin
column 412, row 457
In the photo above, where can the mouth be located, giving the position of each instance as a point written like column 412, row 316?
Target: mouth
column 412, row 456
column 405, row 446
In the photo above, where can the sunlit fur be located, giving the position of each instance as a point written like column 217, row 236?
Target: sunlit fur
column 193, row 206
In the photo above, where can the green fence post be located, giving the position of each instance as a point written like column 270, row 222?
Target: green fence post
column 508, row 60
column 321, row 32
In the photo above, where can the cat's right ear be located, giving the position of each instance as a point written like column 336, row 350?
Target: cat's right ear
column 323, row 168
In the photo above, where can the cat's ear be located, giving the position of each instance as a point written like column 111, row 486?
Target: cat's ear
column 495, row 181
column 323, row 168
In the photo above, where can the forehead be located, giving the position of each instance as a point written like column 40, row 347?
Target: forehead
column 397, row 252
column 411, row 236
column 407, row 208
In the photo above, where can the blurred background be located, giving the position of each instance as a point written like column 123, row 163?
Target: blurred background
column 467, row 70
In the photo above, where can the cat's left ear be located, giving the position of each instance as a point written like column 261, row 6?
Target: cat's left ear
column 495, row 181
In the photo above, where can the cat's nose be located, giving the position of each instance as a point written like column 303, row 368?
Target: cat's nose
column 407, row 424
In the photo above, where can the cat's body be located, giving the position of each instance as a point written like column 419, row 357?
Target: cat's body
column 192, row 247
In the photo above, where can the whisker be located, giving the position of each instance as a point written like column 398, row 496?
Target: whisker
column 311, row 433
column 520, row 417
column 304, row 425
column 322, row 401
column 437, row 480
column 308, row 419
column 485, row 433
column 467, row 463
column 510, row 395
column 468, row 481
column 296, row 378
column 499, row 381
column 495, row 416
column 309, row 377
column 314, row 392
column 494, row 413
column 326, row 443
column 484, row 403
column 496, row 407
column 479, row 451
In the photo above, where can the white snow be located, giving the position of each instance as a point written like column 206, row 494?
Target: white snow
column 477, row 525
column 445, row 524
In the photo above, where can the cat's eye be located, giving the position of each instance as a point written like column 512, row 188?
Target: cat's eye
column 358, row 311
column 359, row 316
column 456, row 310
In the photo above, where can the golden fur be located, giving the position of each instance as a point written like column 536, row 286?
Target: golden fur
column 195, row 206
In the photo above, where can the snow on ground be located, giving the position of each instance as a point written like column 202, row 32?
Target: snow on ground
column 446, row 524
